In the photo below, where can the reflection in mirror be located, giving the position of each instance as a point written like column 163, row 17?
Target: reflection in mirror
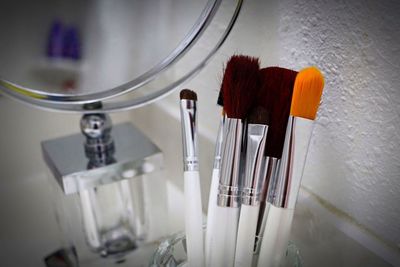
column 76, row 47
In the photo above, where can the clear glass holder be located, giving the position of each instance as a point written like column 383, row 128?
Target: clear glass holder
column 172, row 253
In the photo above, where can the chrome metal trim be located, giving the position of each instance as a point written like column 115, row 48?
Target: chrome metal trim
column 189, row 134
column 270, row 171
column 218, row 145
column 134, row 155
column 254, row 176
column 99, row 144
column 228, row 189
column 284, row 190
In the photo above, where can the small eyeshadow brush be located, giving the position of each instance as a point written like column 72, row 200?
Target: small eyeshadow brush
column 192, row 193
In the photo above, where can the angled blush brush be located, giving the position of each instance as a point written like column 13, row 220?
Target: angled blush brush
column 239, row 86
column 283, row 191
column 275, row 95
column 257, row 128
column 192, row 193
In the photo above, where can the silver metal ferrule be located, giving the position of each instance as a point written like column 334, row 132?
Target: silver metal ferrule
column 254, row 171
column 218, row 145
column 270, row 171
column 228, row 189
column 189, row 134
column 285, row 187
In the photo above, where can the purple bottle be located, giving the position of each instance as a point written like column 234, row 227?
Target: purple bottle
column 55, row 40
column 71, row 46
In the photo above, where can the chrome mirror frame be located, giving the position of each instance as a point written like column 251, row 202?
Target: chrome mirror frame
column 75, row 103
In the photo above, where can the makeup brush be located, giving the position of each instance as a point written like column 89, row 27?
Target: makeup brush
column 276, row 95
column 257, row 128
column 192, row 193
column 283, row 190
column 212, row 200
column 239, row 87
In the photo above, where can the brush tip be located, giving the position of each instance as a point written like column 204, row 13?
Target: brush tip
column 258, row 115
column 188, row 95
column 240, row 85
column 276, row 96
column 307, row 93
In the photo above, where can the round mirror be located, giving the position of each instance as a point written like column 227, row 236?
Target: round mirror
column 126, row 53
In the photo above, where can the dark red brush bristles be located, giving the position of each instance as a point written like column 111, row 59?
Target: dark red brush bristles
column 258, row 115
column 276, row 96
column 240, row 85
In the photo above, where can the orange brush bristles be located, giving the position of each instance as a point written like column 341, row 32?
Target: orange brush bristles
column 307, row 93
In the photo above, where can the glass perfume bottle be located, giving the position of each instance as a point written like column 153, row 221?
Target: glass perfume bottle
column 113, row 214
column 106, row 181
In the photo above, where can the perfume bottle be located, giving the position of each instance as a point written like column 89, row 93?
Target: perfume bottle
column 113, row 214
column 55, row 40
column 103, row 173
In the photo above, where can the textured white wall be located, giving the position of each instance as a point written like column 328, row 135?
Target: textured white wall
column 354, row 156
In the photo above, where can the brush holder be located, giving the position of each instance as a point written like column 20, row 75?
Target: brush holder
column 172, row 253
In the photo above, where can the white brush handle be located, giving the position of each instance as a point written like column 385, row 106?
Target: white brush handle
column 276, row 236
column 225, row 232
column 212, row 204
column 246, row 235
column 193, row 219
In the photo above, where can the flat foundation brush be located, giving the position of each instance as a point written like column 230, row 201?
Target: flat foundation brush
column 257, row 128
column 192, row 193
column 276, row 95
column 239, row 86
column 283, row 190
